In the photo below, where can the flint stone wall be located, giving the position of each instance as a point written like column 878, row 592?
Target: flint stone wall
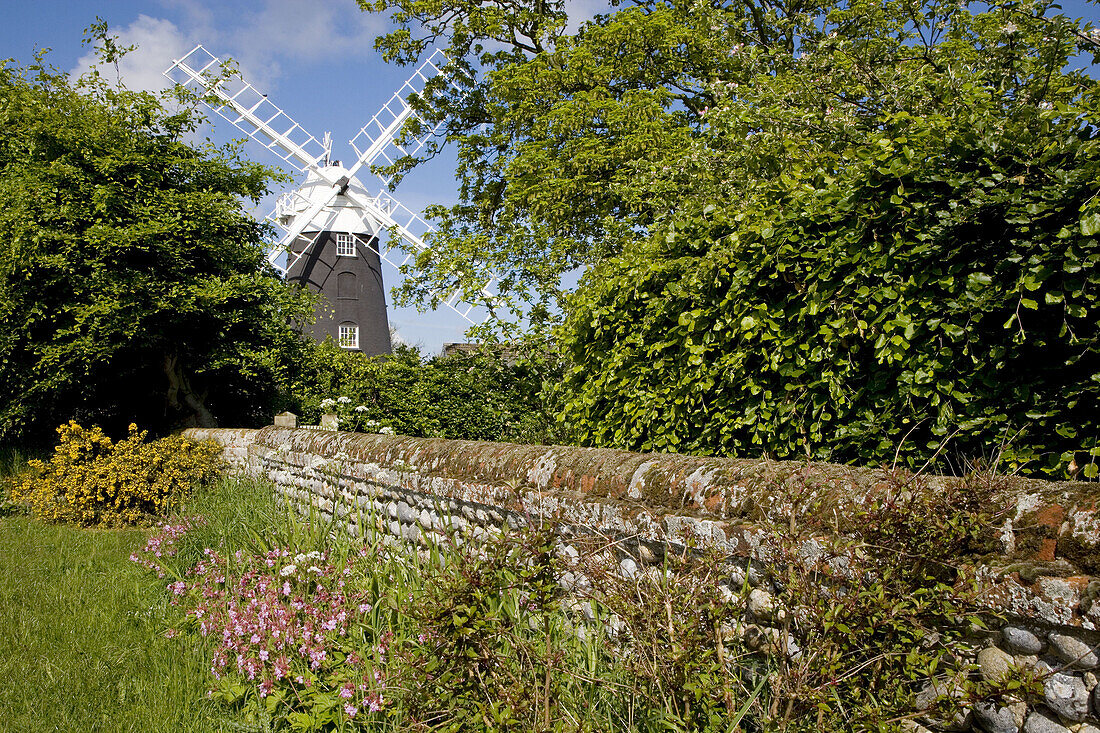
column 1043, row 577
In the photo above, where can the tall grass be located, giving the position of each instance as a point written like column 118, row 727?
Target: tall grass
column 83, row 646
column 12, row 460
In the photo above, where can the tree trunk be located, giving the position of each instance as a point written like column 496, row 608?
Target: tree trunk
column 179, row 387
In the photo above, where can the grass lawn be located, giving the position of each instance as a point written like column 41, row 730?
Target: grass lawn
column 81, row 638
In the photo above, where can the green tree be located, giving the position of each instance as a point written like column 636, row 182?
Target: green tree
column 894, row 249
column 132, row 284
column 816, row 228
column 559, row 135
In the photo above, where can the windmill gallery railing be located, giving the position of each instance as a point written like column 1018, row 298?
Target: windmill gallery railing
column 1040, row 579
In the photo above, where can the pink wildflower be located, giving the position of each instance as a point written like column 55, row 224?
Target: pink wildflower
column 281, row 667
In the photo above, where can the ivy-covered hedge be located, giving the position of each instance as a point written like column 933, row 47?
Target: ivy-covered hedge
column 935, row 285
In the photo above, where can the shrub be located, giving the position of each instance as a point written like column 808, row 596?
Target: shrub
column 883, row 599
column 481, row 396
column 684, row 668
column 869, row 316
column 494, row 652
column 91, row 480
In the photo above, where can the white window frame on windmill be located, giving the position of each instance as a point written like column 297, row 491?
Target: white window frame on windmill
column 348, row 336
column 345, row 244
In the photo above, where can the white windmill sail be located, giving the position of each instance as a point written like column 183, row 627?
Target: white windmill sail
column 250, row 111
column 378, row 138
column 247, row 108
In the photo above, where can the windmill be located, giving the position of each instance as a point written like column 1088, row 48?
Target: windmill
column 335, row 234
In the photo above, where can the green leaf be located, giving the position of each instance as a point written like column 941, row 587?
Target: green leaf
column 1090, row 224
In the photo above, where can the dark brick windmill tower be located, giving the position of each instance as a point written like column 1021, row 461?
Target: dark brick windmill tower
column 338, row 257
column 336, row 234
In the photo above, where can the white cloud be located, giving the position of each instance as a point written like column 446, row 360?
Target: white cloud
column 260, row 41
column 158, row 43
column 293, row 30
column 198, row 18
column 582, row 10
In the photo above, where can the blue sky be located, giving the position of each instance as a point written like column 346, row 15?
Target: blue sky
column 314, row 58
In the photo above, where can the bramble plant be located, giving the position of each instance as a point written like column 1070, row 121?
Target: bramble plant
column 674, row 633
column 91, row 480
column 493, row 651
column 882, row 597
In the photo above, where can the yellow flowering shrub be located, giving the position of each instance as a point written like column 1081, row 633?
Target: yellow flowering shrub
column 92, row 480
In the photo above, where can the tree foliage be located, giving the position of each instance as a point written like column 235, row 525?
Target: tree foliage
column 845, row 230
column 558, row 134
column 894, row 246
column 133, row 287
